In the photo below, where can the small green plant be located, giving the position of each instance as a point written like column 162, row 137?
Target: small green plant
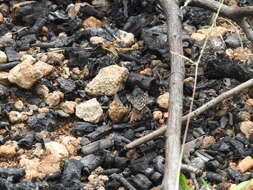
column 242, row 185
column 183, row 182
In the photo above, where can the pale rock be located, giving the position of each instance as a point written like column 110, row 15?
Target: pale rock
column 15, row 116
column 97, row 40
column 245, row 164
column 244, row 116
column 26, row 74
column 117, row 111
column 9, row 149
column 163, row 100
column 108, row 81
column 207, row 141
column 19, row 105
column 71, row 143
column 54, row 98
column 58, row 150
column 42, row 90
column 55, row 58
column 157, row 115
column 246, row 128
column 90, row 111
column 68, row 107
column 250, row 102
column 92, row 22
column 126, row 37
column 3, row 57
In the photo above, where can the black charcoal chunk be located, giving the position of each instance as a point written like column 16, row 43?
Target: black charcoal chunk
column 13, row 174
column 82, row 128
column 141, row 181
column 42, row 121
column 90, row 162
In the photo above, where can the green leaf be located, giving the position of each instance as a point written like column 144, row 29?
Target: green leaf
column 183, row 182
column 242, row 185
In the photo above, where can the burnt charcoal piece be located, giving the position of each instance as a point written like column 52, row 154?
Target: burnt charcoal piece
column 159, row 163
column 88, row 10
column 97, row 146
column 78, row 57
column 82, row 128
column 27, row 141
column 144, row 82
column 214, row 177
column 238, row 149
column 219, row 67
column 234, row 174
column 112, row 184
column 42, row 121
column 70, row 25
column 28, row 185
column 90, row 162
column 72, row 174
column 53, row 176
column 100, row 132
column 12, row 54
column 142, row 163
column 111, row 160
column 124, row 181
column 8, row 66
column 244, row 3
column 2, row 139
column 212, row 165
column 110, row 171
column 196, row 16
column 66, row 85
column 141, row 181
column 224, row 147
column 3, row 91
column 5, row 184
column 135, row 24
column 13, row 174
column 233, row 40
column 24, row 43
column 84, row 141
column 156, row 177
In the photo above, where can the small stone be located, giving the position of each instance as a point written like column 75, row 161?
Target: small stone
column 245, row 164
column 4, row 92
column 97, row 40
column 55, row 58
column 198, row 37
column 126, row 37
column 108, row 82
column 117, row 111
column 244, row 116
column 15, row 116
column 90, row 111
column 163, row 100
column 250, row 102
column 71, row 143
column 4, row 78
column 3, row 57
column 246, row 128
column 42, row 90
column 54, row 98
column 1, row 18
column 58, row 150
column 19, row 105
column 68, row 107
column 26, row 74
column 207, row 141
column 43, row 110
column 157, row 115
column 92, row 22
column 9, row 149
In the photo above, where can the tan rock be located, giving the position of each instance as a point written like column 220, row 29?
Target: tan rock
column 157, row 115
column 250, row 102
column 9, row 149
column 198, row 37
column 245, row 164
column 26, row 74
column 54, row 98
column 126, row 37
column 19, row 105
column 71, row 143
column 55, row 58
column 3, row 57
column 42, row 90
column 97, row 40
column 244, row 116
column 117, row 111
column 207, row 141
column 92, row 22
column 14, row 116
column 109, row 81
column 68, row 107
column 90, row 111
column 246, row 128
column 163, row 100
column 4, row 78
column 58, row 150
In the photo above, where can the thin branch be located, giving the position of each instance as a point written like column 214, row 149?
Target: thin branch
column 173, row 131
column 195, row 113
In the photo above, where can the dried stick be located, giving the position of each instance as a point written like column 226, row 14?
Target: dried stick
column 195, row 113
column 173, row 131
